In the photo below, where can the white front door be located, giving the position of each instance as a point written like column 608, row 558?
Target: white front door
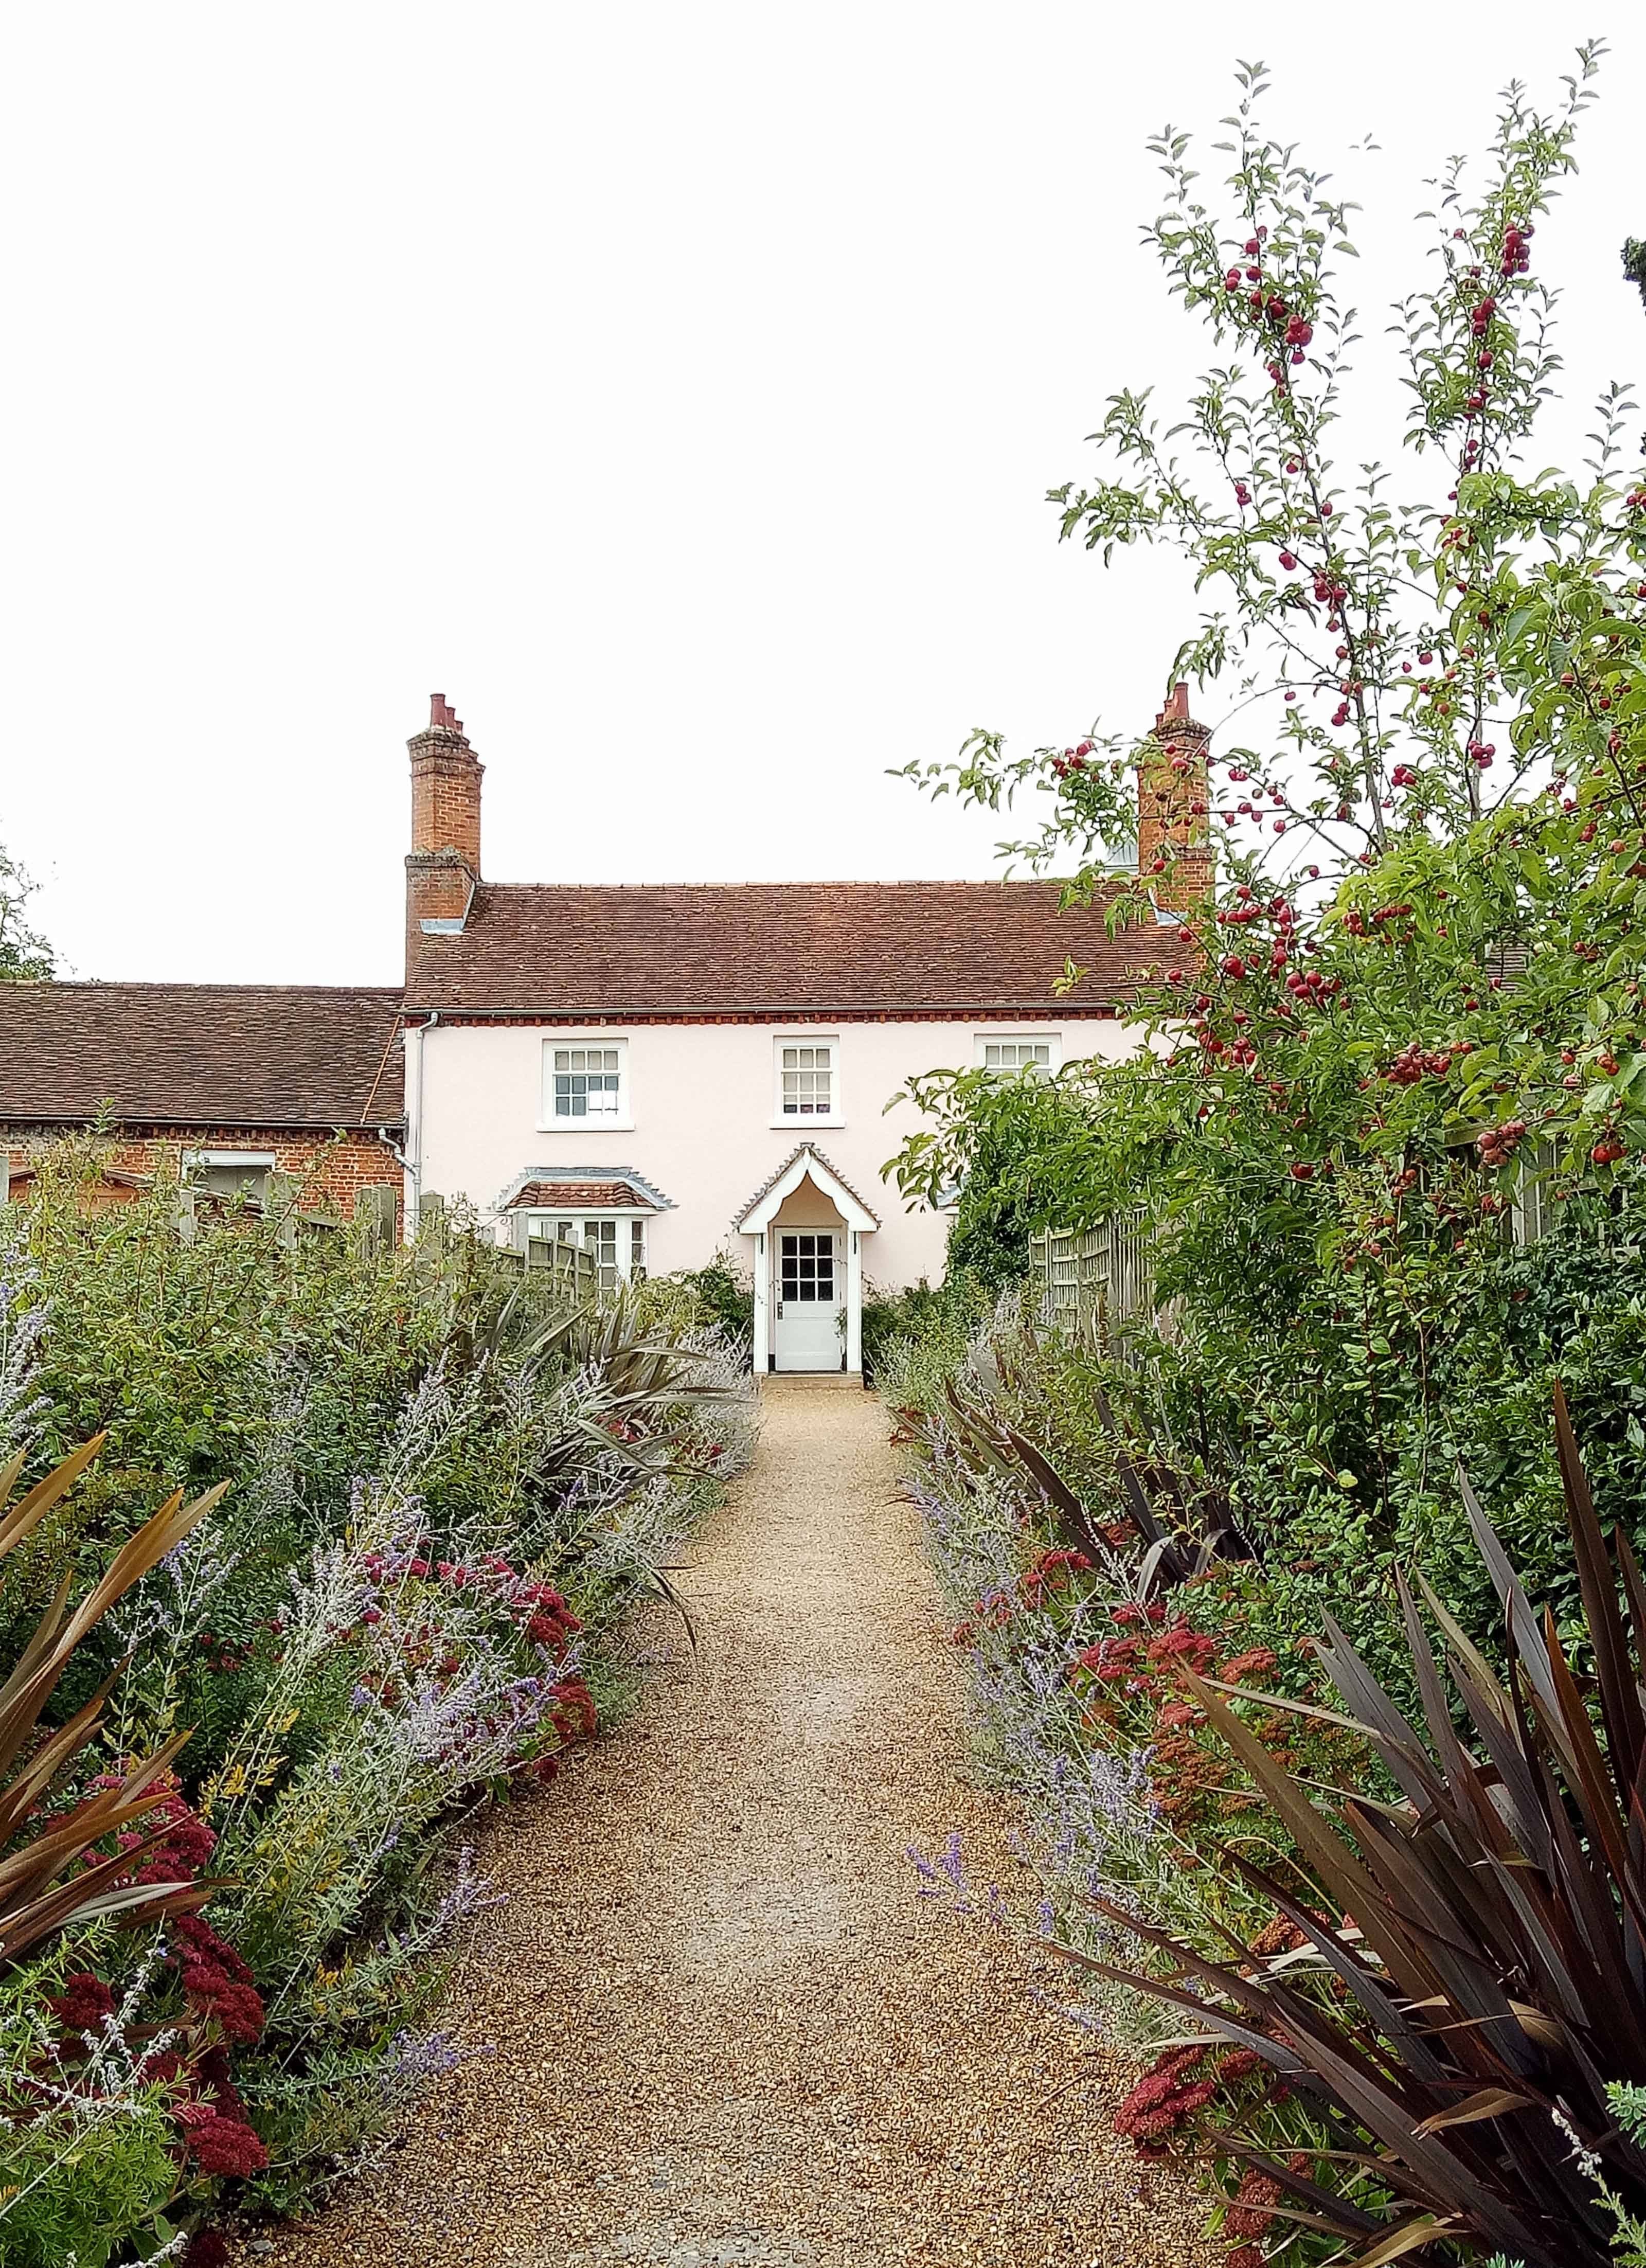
column 809, row 1297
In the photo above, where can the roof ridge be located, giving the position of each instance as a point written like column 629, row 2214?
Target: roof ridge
column 52, row 985
column 836, row 882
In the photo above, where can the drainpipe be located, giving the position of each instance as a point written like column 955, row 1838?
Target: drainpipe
column 415, row 1163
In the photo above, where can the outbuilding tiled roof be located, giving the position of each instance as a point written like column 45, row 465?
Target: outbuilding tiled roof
column 773, row 949
column 580, row 1196
column 318, row 1056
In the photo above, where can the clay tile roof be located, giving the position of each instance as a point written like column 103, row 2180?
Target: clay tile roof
column 772, row 949
column 315, row 1055
column 579, row 1196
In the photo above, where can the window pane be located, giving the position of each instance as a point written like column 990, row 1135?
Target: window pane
column 587, row 1082
column 806, row 1079
column 1013, row 1055
column 586, row 1094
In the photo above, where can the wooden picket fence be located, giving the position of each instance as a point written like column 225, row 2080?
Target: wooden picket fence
column 565, row 1269
column 572, row 1275
column 1091, row 1279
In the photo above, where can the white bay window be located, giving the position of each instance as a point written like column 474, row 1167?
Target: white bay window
column 616, row 1240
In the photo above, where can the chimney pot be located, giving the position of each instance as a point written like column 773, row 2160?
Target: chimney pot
column 445, row 790
column 1177, row 709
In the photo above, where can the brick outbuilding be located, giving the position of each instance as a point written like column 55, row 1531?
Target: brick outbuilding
column 232, row 1085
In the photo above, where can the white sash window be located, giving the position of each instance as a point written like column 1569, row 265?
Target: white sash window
column 585, row 1084
column 807, row 1082
column 1020, row 1051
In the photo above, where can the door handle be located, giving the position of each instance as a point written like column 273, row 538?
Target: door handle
column 780, row 1310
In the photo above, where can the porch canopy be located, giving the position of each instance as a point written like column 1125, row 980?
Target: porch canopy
column 806, row 1196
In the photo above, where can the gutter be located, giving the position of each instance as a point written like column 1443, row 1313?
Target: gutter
column 198, row 1118
column 894, row 1011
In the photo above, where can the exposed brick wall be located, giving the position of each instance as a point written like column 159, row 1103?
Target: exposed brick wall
column 443, row 865
column 447, row 777
column 1173, row 794
column 331, row 1172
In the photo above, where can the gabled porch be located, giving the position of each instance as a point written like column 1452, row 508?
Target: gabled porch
column 807, row 1224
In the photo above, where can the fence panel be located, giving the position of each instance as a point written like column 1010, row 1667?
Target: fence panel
column 574, row 1271
column 1092, row 1278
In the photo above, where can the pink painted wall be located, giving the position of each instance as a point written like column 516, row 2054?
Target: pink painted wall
column 702, row 1103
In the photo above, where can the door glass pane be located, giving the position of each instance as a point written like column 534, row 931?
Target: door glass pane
column 806, row 1266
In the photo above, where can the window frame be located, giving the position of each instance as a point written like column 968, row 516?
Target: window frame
column 835, row 1114
column 620, row 1122
column 194, row 1163
column 1051, row 1040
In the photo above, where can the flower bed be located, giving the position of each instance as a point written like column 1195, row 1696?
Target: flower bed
column 1373, row 1951
column 1080, row 1710
column 442, row 1506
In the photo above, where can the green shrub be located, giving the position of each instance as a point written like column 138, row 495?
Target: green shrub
column 442, row 1496
column 938, row 1323
column 723, row 1296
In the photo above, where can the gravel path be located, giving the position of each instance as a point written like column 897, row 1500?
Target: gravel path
column 724, row 2027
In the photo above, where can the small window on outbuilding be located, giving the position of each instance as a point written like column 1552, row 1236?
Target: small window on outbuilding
column 230, row 1176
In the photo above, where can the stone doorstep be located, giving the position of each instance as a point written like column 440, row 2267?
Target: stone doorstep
column 812, row 1381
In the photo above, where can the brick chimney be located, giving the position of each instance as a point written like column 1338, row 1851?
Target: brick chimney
column 1174, row 855
column 443, row 866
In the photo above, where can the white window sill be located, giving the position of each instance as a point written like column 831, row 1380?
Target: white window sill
column 585, row 1125
column 788, row 1124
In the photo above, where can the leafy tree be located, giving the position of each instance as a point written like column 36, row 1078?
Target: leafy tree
column 1417, row 982
column 24, row 953
column 1007, row 1153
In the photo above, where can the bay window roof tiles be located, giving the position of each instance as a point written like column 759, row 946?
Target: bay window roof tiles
column 580, row 1196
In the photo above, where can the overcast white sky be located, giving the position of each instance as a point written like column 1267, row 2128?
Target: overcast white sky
column 675, row 387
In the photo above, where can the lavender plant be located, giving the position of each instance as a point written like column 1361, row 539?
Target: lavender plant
column 23, row 1317
column 85, row 2148
column 408, row 1601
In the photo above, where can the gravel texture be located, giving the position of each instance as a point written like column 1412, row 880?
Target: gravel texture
column 724, row 2027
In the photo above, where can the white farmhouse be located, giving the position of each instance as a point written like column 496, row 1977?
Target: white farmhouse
column 663, row 1073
